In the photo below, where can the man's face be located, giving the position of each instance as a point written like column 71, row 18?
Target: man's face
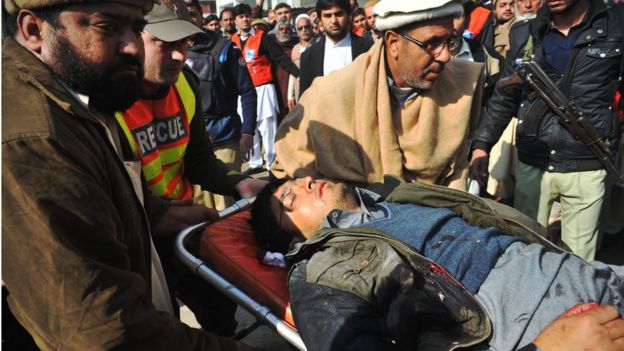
column 227, row 22
column 301, row 205
column 560, row 6
column 335, row 22
column 212, row 25
column 371, row 17
column 283, row 13
column 526, row 7
column 271, row 16
column 98, row 52
column 359, row 21
column 504, row 10
column 283, row 33
column 163, row 63
column 243, row 21
column 196, row 16
column 418, row 67
column 304, row 29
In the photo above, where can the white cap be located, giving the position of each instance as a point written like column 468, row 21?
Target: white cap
column 394, row 14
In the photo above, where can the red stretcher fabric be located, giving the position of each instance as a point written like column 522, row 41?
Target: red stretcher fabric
column 230, row 248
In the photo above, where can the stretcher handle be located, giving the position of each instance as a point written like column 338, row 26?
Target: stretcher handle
column 198, row 267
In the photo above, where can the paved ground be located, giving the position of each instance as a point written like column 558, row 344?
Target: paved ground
column 263, row 337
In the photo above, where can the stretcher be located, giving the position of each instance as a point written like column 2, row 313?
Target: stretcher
column 225, row 254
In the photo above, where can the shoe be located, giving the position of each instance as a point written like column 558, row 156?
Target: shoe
column 252, row 171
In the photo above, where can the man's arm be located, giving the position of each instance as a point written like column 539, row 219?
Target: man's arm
column 73, row 280
column 330, row 319
column 306, row 70
column 278, row 56
column 248, row 97
column 501, row 108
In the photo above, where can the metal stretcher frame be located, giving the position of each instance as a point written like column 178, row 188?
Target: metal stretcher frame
column 262, row 313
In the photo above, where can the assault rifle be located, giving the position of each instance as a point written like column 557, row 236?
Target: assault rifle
column 570, row 116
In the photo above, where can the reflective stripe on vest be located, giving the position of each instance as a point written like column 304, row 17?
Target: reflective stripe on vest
column 259, row 66
column 159, row 132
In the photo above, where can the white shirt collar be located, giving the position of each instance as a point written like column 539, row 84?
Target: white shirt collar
column 346, row 41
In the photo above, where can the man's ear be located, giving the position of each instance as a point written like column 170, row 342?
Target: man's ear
column 29, row 31
column 391, row 39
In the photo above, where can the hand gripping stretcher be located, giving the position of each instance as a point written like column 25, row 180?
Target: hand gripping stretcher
column 225, row 254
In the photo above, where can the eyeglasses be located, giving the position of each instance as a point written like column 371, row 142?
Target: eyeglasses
column 435, row 47
column 307, row 26
column 286, row 202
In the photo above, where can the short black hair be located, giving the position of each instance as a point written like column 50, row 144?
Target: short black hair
column 280, row 5
column 242, row 9
column 264, row 224
column 210, row 18
column 327, row 4
column 358, row 11
column 227, row 9
column 47, row 14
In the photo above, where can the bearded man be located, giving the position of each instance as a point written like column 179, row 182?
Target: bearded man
column 79, row 263
column 401, row 109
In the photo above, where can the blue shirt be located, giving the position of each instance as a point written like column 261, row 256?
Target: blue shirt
column 557, row 46
column 467, row 252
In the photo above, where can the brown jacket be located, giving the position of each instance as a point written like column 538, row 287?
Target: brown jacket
column 75, row 245
column 343, row 127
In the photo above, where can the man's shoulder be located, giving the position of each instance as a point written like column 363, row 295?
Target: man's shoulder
column 26, row 110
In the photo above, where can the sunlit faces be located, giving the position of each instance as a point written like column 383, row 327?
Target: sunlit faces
column 243, row 22
column 304, row 29
column 212, row 25
column 301, row 205
column 283, row 13
column 359, row 21
column 163, row 63
column 228, row 23
column 419, row 66
column 371, row 18
column 335, row 22
column 528, row 6
column 504, row 10
column 98, row 52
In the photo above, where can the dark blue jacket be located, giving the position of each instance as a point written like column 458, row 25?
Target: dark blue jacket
column 223, row 76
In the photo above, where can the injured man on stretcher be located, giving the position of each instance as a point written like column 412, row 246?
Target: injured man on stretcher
column 396, row 275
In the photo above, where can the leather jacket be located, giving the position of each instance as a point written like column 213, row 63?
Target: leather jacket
column 591, row 80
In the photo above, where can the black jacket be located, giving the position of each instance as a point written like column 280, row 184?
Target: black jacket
column 223, row 77
column 590, row 80
column 312, row 59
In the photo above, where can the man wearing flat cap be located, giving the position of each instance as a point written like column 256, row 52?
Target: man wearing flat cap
column 403, row 108
column 78, row 259
column 167, row 133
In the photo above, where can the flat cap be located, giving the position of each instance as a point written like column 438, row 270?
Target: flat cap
column 170, row 21
column 394, row 14
column 12, row 6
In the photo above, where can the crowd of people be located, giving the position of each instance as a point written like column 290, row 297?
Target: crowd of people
column 125, row 121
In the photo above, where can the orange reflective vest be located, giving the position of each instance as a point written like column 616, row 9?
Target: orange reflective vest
column 478, row 17
column 159, row 132
column 259, row 66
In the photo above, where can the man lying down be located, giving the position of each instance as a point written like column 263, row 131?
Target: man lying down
column 370, row 275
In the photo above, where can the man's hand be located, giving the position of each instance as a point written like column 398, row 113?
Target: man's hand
column 249, row 187
column 584, row 327
column 479, row 166
column 180, row 215
column 291, row 105
column 245, row 146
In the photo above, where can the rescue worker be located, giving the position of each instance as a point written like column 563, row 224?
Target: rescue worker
column 167, row 134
